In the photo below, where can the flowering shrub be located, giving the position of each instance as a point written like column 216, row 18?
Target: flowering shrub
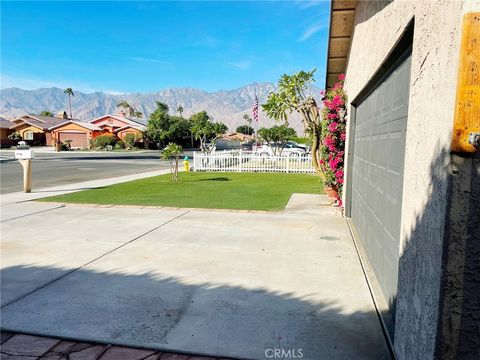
column 333, row 136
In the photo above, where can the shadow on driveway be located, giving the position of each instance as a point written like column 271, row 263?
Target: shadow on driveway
column 170, row 313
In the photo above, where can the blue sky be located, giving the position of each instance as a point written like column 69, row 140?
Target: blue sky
column 147, row 46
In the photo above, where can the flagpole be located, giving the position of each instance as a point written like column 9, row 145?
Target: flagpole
column 256, row 120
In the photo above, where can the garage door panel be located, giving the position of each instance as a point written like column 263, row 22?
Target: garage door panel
column 387, row 100
column 376, row 100
column 377, row 176
column 376, row 246
column 396, row 151
column 390, row 264
column 401, row 90
column 383, row 155
column 78, row 139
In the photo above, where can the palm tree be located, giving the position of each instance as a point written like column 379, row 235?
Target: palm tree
column 180, row 110
column 248, row 119
column 46, row 113
column 172, row 152
column 69, row 92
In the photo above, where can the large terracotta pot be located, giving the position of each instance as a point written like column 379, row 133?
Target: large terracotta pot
column 331, row 192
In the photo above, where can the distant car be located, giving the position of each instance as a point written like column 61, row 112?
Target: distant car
column 287, row 149
column 297, row 145
column 248, row 146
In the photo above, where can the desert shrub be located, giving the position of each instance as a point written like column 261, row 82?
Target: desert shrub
column 129, row 140
column 66, row 145
column 303, row 140
column 15, row 136
column 102, row 141
column 119, row 145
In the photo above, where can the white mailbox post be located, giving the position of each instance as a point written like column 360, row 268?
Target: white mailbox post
column 25, row 156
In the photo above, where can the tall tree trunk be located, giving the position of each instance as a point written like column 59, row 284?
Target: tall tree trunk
column 70, row 105
column 315, row 149
column 311, row 119
column 176, row 168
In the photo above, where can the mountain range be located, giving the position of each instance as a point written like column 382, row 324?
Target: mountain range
column 227, row 106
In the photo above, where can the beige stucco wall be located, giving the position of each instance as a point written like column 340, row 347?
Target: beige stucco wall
column 378, row 26
column 23, row 129
column 138, row 134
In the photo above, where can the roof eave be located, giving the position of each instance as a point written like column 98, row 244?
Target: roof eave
column 342, row 18
column 79, row 123
column 27, row 123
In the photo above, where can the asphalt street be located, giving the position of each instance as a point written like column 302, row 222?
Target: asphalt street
column 50, row 169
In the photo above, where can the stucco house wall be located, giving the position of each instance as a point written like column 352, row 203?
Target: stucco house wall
column 109, row 122
column 138, row 134
column 41, row 136
column 26, row 127
column 437, row 24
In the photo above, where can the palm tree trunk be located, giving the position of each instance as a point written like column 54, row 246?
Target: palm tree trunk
column 315, row 151
column 70, row 105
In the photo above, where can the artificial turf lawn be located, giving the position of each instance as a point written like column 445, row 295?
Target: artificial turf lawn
column 245, row 191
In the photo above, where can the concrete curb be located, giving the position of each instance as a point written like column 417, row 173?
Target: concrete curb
column 153, row 207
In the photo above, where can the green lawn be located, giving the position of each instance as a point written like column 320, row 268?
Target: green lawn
column 246, row 191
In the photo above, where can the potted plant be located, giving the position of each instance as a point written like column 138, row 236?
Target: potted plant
column 330, row 185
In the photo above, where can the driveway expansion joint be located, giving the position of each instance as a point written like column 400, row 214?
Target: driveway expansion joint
column 34, row 213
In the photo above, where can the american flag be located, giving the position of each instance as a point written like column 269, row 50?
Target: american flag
column 255, row 109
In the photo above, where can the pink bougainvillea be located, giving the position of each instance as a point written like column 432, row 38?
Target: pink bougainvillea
column 332, row 127
column 333, row 137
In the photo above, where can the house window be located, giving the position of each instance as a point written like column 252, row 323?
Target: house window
column 28, row 135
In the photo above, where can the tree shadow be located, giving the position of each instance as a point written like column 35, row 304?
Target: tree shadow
column 436, row 310
column 215, row 179
column 184, row 314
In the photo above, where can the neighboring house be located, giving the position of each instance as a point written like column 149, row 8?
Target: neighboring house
column 412, row 181
column 79, row 133
column 235, row 136
column 232, row 141
column 5, row 131
column 34, row 129
column 120, row 125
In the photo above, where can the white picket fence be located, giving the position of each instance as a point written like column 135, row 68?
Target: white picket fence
column 243, row 161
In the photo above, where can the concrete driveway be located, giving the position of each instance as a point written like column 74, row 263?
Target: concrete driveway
column 234, row 284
